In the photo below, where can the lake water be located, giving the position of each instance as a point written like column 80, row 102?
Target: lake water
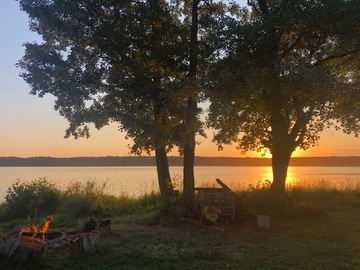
column 137, row 181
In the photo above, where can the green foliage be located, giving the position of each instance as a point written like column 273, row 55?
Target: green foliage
column 287, row 72
column 111, row 61
column 324, row 196
column 149, row 201
column 327, row 241
column 90, row 199
column 128, row 63
column 304, row 198
column 287, row 76
column 256, row 197
column 143, row 240
column 37, row 198
column 40, row 198
column 82, row 199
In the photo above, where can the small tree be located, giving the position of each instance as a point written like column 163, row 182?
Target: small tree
column 288, row 71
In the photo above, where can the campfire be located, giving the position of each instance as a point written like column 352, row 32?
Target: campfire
column 36, row 240
column 35, row 231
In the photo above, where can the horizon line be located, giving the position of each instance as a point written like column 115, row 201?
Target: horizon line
column 150, row 156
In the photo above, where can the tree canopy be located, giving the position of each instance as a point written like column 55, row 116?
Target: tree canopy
column 289, row 70
column 135, row 63
column 276, row 73
column 106, row 61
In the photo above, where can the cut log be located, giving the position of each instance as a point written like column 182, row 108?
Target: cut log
column 85, row 242
column 20, row 248
column 104, row 226
column 9, row 246
column 86, row 225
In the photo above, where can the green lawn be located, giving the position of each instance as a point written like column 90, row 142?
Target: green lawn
column 326, row 236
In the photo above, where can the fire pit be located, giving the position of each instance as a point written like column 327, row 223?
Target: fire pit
column 50, row 236
column 38, row 240
column 35, row 241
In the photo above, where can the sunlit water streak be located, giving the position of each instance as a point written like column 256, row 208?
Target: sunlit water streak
column 137, row 181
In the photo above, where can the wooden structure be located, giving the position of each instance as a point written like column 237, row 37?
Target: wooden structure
column 222, row 198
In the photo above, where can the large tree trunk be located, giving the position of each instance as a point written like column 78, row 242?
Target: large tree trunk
column 282, row 148
column 191, row 112
column 189, row 159
column 163, row 172
column 280, row 163
column 189, row 179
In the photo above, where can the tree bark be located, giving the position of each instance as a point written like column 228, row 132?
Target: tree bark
column 190, row 115
column 189, row 159
column 282, row 148
column 164, row 180
column 280, row 163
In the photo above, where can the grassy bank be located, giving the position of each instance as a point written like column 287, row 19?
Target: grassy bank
column 324, row 233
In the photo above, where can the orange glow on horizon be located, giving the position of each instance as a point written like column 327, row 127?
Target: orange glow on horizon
column 30, row 127
column 47, row 140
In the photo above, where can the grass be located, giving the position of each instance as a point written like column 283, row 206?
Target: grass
column 325, row 236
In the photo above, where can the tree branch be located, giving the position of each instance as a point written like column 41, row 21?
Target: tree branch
column 292, row 45
column 301, row 122
column 263, row 6
column 336, row 56
column 252, row 4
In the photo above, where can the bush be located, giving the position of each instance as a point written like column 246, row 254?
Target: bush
column 90, row 199
column 255, row 196
column 34, row 199
column 80, row 199
column 40, row 198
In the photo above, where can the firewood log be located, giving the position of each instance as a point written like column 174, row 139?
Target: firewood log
column 86, row 225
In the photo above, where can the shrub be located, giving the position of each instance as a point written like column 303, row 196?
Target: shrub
column 79, row 199
column 150, row 201
column 37, row 198
column 90, row 199
column 255, row 196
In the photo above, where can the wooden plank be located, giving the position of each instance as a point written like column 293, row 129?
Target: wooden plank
column 222, row 184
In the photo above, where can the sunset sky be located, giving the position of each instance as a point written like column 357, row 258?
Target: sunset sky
column 29, row 126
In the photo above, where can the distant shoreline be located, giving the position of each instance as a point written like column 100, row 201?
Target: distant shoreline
column 351, row 161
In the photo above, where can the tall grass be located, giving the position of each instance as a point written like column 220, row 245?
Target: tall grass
column 328, row 242
column 310, row 196
column 40, row 198
column 325, row 194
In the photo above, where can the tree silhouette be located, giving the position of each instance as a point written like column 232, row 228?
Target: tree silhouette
column 107, row 61
column 130, row 62
column 289, row 70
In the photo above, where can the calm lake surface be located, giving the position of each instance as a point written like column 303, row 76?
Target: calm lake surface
column 137, row 181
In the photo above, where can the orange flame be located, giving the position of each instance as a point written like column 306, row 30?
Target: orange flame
column 35, row 228
column 47, row 222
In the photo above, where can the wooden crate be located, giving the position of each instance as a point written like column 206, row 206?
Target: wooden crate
column 221, row 198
